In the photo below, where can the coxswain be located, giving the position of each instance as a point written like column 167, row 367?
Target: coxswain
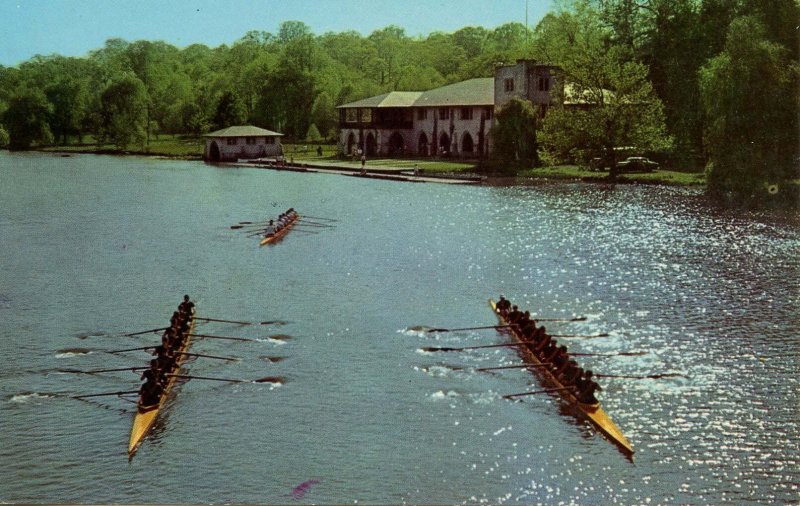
column 186, row 307
column 503, row 305
column 587, row 388
column 269, row 231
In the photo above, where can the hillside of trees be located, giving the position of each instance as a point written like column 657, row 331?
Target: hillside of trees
column 714, row 83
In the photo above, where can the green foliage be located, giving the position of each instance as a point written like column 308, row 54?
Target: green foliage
column 26, row 120
column 4, row 138
column 749, row 94
column 230, row 111
column 124, row 113
column 514, row 133
column 313, row 134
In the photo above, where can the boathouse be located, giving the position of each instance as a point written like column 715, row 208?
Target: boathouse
column 242, row 142
column 453, row 120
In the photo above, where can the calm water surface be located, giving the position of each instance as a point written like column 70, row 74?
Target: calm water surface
column 97, row 246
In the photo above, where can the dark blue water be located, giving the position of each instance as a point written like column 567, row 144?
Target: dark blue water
column 94, row 246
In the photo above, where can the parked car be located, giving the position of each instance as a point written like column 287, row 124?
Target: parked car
column 637, row 164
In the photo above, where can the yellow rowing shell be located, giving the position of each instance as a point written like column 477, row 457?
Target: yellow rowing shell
column 594, row 412
column 146, row 415
column 282, row 232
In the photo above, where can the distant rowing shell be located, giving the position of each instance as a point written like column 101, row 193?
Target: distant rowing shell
column 282, row 232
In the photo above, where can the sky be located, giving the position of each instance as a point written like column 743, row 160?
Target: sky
column 75, row 27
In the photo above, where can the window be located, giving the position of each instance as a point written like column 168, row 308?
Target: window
column 232, row 141
column 269, row 140
column 544, row 84
column 250, row 140
column 466, row 113
column 509, row 84
column 366, row 115
column 444, row 113
column 487, row 113
column 422, row 114
column 351, row 116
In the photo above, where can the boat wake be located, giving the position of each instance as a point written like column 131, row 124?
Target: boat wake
column 442, row 395
column 25, row 398
column 416, row 331
column 72, row 352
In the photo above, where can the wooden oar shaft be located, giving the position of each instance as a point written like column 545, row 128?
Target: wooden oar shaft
column 232, row 359
column 143, row 332
column 543, row 391
column 95, row 371
column 469, row 328
column 132, row 349
column 318, row 218
column 622, row 353
column 581, row 335
column 521, row 343
column 187, row 376
column 576, row 319
column 106, row 394
column 209, row 336
column 520, row 366
column 221, row 320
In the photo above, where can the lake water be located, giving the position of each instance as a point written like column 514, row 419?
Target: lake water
column 96, row 246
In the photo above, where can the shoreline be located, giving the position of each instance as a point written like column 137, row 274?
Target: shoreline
column 403, row 174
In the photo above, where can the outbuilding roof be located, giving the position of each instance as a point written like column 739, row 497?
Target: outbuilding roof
column 243, row 131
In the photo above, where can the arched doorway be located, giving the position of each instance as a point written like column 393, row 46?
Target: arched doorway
column 422, row 145
column 351, row 141
column 213, row 152
column 372, row 144
column 444, row 144
column 397, row 145
column 467, row 145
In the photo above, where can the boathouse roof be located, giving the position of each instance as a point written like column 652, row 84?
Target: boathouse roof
column 243, row 131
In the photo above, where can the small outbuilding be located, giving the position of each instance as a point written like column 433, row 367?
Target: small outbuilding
column 246, row 142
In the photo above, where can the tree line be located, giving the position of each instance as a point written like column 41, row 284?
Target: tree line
column 700, row 83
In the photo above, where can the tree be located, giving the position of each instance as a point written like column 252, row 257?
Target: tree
column 26, row 120
column 124, row 112
column 68, row 97
column 313, row 134
column 514, row 133
column 749, row 95
column 230, row 111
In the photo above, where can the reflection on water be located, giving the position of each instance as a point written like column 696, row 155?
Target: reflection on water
column 95, row 246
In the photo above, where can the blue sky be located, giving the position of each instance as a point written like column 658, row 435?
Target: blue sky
column 74, row 27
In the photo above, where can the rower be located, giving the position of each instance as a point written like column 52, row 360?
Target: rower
column 186, row 307
column 155, row 373
column 527, row 327
column 560, row 360
column 503, row 305
column 587, row 388
column 543, row 342
column 514, row 315
column 569, row 373
column 549, row 353
column 150, row 393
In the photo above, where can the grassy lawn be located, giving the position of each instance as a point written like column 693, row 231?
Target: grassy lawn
column 165, row 145
column 576, row 172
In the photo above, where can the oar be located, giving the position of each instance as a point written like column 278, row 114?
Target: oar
column 253, row 234
column 142, row 332
column 270, row 322
column 317, row 218
column 230, row 359
column 624, row 353
column 469, row 328
column 223, row 337
column 579, row 335
column 520, row 366
column 476, row 347
column 132, row 349
column 268, row 379
column 543, row 391
column 236, row 227
column 576, row 319
column 95, row 371
column 106, row 393
column 312, row 224
column 652, row 376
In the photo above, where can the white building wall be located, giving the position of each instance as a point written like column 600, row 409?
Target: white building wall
column 260, row 148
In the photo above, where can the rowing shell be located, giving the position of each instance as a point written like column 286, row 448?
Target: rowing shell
column 282, row 232
column 146, row 415
column 594, row 412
